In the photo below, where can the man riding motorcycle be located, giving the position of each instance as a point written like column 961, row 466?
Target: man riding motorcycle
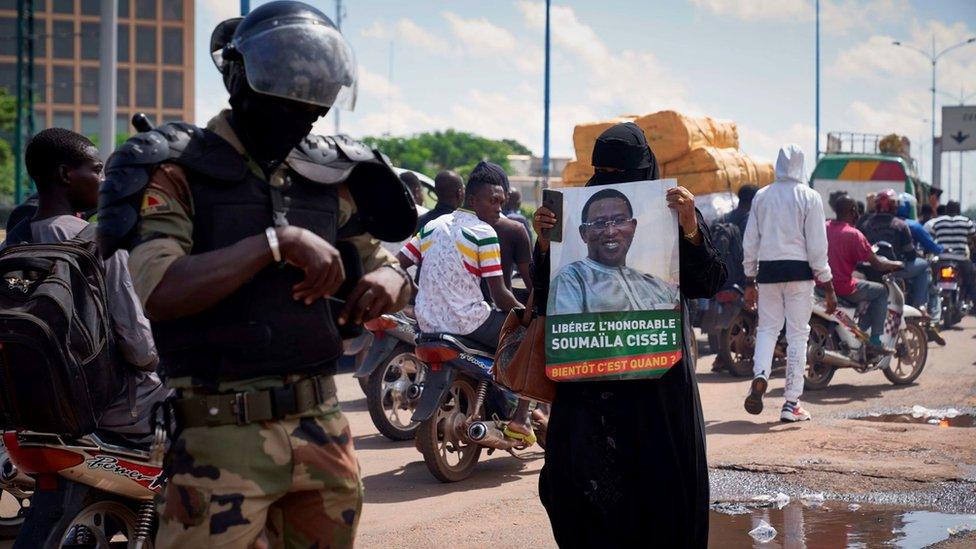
column 242, row 235
column 883, row 226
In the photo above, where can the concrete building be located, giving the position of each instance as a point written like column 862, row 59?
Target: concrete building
column 155, row 61
column 525, row 174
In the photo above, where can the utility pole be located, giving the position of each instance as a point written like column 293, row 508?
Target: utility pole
column 19, row 124
column 338, row 23
column 817, row 125
column 389, row 93
column 107, row 83
column 545, row 135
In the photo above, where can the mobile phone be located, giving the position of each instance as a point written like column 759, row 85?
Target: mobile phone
column 554, row 201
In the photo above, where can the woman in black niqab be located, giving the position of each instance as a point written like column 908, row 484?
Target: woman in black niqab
column 625, row 460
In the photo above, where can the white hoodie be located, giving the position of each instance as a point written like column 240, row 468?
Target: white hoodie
column 786, row 225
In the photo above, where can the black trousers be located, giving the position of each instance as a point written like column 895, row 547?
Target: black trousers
column 487, row 333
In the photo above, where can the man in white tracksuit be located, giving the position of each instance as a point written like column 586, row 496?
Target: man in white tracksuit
column 785, row 252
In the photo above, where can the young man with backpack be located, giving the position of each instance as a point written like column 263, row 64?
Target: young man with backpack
column 67, row 171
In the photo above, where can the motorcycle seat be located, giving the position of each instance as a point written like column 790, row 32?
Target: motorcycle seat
column 124, row 441
column 453, row 339
column 845, row 303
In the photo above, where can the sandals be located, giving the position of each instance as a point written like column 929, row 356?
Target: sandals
column 529, row 440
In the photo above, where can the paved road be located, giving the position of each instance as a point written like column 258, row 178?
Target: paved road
column 499, row 504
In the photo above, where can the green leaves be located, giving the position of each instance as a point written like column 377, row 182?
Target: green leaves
column 431, row 152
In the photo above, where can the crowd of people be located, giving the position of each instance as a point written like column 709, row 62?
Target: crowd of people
column 253, row 234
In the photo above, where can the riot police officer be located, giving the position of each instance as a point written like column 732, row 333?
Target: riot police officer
column 249, row 240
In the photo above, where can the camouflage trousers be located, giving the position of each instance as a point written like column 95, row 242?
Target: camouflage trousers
column 287, row 483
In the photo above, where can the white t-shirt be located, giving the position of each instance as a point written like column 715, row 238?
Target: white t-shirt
column 457, row 250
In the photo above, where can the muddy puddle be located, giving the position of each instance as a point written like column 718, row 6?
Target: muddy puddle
column 939, row 417
column 831, row 524
column 962, row 420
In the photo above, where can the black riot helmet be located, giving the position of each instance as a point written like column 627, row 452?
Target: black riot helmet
column 288, row 50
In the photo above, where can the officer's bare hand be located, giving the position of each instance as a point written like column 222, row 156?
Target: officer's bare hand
column 543, row 220
column 380, row 292
column 319, row 259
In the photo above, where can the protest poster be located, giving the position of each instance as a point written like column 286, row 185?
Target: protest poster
column 614, row 307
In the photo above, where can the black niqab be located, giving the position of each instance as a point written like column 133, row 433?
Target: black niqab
column 625, row 460
column 623, row 147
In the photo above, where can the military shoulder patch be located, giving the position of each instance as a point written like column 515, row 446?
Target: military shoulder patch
column 155, row 202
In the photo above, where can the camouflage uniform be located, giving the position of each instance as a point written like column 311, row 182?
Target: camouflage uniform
column 290, row 483
column 287, row 483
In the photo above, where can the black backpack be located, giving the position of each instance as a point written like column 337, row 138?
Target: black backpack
column 57, row 366
column 727, row 240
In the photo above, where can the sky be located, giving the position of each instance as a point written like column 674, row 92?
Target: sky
column 478, row 66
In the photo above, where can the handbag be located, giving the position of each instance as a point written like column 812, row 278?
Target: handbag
column 520, row 361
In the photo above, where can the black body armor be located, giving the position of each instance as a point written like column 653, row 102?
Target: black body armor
column 259, row 329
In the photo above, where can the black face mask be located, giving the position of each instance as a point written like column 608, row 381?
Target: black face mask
column 623, row 147
column 270, row 127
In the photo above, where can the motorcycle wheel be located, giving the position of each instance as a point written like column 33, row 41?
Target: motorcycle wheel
column 441, row 439
column 818, row 376
column 102, row 523
column 737, row 344
column 12, row 510
column 363, row 382
column 386, row 394
column 911, row 352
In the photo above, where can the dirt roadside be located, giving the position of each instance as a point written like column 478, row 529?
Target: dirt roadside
column 911, row 465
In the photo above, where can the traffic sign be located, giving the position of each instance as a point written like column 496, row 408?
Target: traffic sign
column 958, row 128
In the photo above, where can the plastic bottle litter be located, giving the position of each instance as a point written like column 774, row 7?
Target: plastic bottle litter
column 853, row 507
column 919, row 411
column 764, row 533
column 812, row 500
column 961, row 529
column 779, row 500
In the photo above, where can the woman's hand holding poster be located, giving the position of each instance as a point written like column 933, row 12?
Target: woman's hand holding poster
column 614, row 307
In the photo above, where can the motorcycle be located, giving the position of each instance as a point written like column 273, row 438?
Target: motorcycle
column 731, row 330
column 393, row 375
column 836, row 341
column 948, row 279
column 17, row 489
column 123, row 482
column 461, row 410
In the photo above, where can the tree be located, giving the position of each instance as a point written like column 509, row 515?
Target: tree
column 970, row 212
column 431, row 152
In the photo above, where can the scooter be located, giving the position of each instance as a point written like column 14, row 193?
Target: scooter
column 836, row 341
column 393, row 375
column 461, row 409
column 117, row 508
column 948, row 279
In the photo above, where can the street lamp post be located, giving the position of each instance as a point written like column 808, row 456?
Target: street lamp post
column 933, row 58
column 545, row 135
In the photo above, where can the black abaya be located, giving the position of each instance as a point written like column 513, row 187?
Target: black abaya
column 625, row 460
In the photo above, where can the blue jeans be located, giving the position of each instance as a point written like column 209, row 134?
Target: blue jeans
column 918, row 278
column 877, row 296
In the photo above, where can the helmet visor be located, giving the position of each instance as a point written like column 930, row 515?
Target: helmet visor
column 302, row 62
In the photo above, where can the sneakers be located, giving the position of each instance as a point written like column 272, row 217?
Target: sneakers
column 754, row 403
column 793, row 412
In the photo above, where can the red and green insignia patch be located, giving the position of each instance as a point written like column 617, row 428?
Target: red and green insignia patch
column 155, row 202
